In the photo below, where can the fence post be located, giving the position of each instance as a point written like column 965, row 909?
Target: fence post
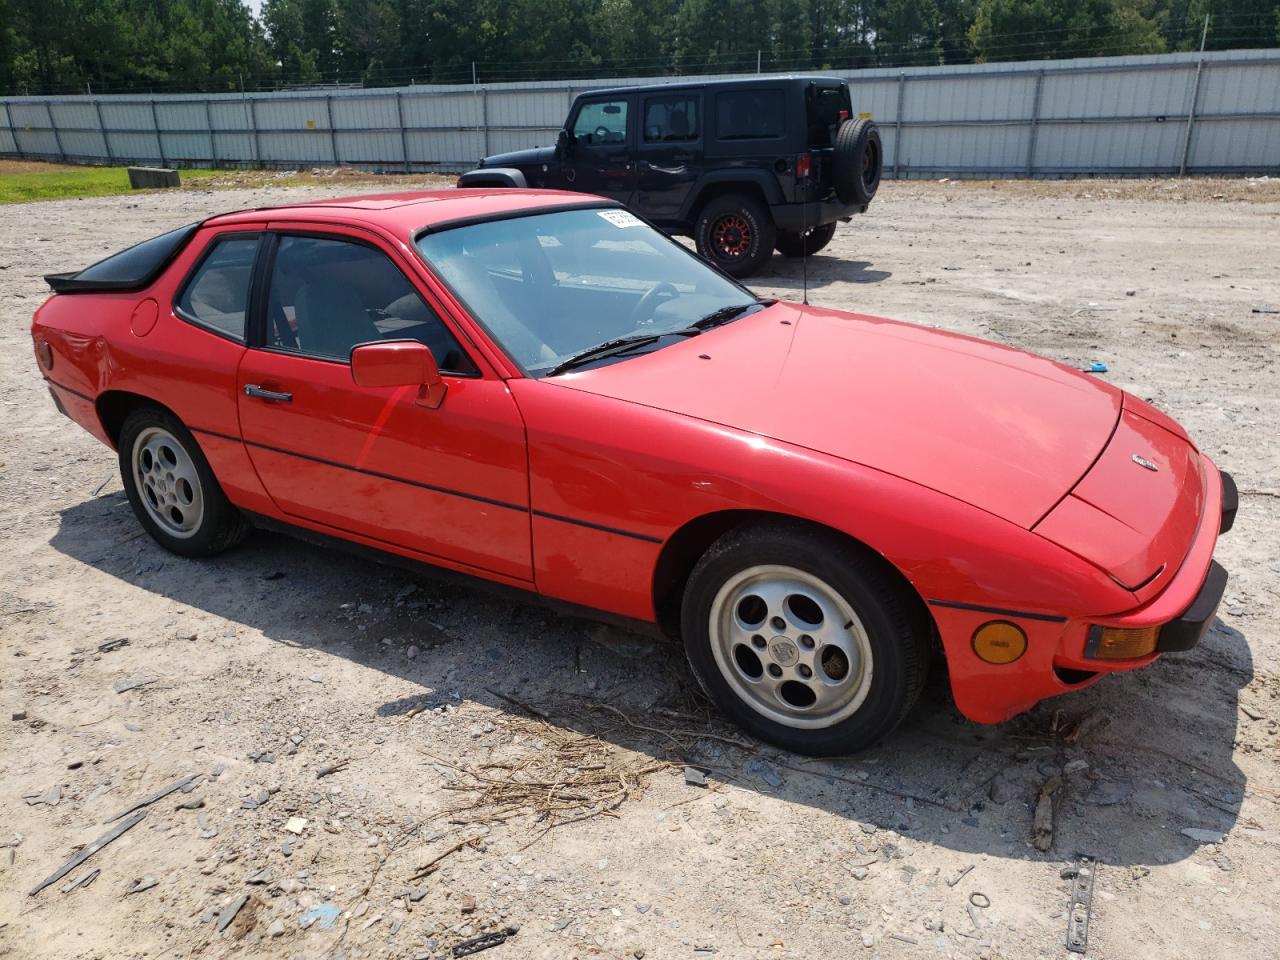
column 53, row 126
column 897, row 127
column 484, row 119
column 155, row 122
column 404, row 134
column 1191, row 118
column 1035, row 125
column 102, row 128
column 252, row 109
column 13, row 131
column 213, row 143
column 333, row 134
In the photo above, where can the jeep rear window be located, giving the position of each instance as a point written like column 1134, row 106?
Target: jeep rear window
column 750, row 115
column 823, row 109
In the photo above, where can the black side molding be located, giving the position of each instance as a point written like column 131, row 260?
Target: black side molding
column 1185, row 632
column 1230, row 502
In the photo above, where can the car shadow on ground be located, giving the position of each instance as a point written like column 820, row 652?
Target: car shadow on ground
column 787, row 273
column 1143, row 755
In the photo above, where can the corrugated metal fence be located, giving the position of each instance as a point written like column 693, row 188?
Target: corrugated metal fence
column 1191, row 112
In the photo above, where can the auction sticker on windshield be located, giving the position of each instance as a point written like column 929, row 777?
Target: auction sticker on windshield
column 621, row 218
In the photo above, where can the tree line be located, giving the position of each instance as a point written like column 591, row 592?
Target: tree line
column 49, row 46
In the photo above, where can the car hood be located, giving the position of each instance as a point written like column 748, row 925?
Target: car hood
column 520, row 158
column 1005, row 431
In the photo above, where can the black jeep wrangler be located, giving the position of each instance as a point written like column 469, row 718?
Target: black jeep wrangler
column 742, row 166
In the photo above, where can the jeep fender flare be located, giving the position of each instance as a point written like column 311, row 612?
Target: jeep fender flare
column 765, row 180
column 493, row 177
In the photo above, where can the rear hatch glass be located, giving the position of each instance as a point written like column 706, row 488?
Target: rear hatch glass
column 129, row 269
column 826, row 107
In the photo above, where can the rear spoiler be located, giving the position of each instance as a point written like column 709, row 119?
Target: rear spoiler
column 132, row 269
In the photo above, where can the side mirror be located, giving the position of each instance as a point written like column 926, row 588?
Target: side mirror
column 563, row 141
column 399, row 363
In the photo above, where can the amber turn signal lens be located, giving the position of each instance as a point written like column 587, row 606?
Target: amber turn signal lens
column 1114, row 643
column 999, row 642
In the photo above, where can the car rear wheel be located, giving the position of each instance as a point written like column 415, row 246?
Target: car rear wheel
column 172, row 489
column 736, row 233
column 803, row 639
column 792, row 244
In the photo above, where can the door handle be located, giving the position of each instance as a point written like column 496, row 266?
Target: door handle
column 253, row 390
column 657, row 169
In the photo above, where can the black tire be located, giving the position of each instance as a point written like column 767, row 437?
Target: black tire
column 791, row 244
column 216, row 526
column 736, row 233
column 859, row 159
column 893, row 628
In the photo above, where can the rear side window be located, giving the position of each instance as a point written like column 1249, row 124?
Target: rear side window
column 670, row 119
column 749, row 115
column 217, row 295
column 825, row 109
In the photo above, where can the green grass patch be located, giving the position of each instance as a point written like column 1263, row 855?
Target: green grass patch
column 61, row 183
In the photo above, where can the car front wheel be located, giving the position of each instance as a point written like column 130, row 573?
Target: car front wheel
column 172, row 489
column 736, row 233
column 803, row 639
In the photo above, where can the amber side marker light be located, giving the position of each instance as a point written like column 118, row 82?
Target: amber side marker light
column 1116, row 643
column 999, row 642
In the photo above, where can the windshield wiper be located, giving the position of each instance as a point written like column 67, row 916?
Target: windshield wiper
column 725, row 314
column 609, row 348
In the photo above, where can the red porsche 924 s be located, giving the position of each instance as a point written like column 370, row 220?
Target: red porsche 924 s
column 541, row 390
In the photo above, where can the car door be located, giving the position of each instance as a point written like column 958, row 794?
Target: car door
column 448, row 483
column 667, row 154
column 599, row 155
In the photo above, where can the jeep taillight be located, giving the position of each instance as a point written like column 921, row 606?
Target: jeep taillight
column 804, row 165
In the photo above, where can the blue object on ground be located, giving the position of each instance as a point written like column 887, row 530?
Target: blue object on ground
column 326, row 914
column 1096, row 367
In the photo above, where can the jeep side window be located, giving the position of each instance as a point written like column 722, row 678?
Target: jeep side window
column 670, row 119
column 750, row 115
column 601, row 122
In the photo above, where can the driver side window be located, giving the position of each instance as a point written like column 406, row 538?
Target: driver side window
column 601, row 122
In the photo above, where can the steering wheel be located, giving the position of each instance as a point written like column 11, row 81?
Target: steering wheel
column 642, row 312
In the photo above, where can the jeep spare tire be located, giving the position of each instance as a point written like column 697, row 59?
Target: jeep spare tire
column 858, row 161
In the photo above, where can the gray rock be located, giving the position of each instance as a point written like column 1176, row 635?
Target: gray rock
column 1200, row 835
column 695, row 777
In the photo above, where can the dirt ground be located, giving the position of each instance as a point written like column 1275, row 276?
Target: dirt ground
column 509, row 768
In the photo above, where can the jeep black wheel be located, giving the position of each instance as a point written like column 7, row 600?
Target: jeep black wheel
column 736, row 233
column 792, row 244
column 858, row 161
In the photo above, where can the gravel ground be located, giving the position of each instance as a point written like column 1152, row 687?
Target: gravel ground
column 508, row 768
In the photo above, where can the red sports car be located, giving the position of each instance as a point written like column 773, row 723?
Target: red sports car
column 541, row 390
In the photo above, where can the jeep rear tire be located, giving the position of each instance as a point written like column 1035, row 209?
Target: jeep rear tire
column 858, row 161
column 792, row 244
column 735, row 233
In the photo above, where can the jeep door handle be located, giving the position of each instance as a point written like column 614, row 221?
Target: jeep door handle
column 672, row 170
column 253, row 390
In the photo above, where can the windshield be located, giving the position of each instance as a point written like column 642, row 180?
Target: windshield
column 551, row 286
